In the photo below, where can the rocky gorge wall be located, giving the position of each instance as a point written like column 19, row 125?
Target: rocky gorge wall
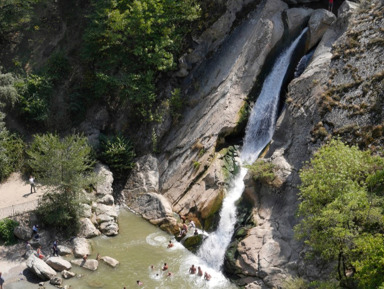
column 191, row 175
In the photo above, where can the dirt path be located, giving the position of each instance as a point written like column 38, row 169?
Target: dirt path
column 16, row 197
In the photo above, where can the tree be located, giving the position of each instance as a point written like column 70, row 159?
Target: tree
column 342, row 212
column 130, row 42
column 64, row 165
column 11, row 146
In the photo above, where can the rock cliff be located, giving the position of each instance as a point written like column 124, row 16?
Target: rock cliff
column 339, row 93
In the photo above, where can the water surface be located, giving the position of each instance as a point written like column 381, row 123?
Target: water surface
column 138, row 246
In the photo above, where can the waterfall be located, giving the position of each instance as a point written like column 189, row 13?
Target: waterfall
column 260, row 127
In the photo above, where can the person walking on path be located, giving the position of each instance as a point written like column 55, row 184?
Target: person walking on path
column 330, row 5
column 1, row 281
column 32, row 183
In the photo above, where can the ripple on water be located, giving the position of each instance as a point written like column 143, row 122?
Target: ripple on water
column 155, row 239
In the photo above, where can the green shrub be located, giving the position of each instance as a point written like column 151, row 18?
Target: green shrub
column 118, row 153
column 11, row 154
column 262, row 171
column 176, row 104
column 57, row 67
column 35, row 93
column 6, row 231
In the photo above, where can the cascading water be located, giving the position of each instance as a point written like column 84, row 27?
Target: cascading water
column 260, row 127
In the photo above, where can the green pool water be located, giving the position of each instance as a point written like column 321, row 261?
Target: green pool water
column 138, row 246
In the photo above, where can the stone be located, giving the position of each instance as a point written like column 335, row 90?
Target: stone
column 87, row 211
column 297, row 18
column 104, row 218
column 64, row 250
column 319, row 22
column 108, row 210
column 87, row 229
column 56, row 281
column 58, row 263
column 193, row 243
column 40, row 268
column 107, row 200
column 67, row 274
column 109, row 228
column 151, row 206
column 81, row 247
column 90, row 264
column 110, row 261
column 22, row 232
column 105, row 179
column 144, row 177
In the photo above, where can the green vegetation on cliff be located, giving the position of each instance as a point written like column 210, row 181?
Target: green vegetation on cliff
column 342, row 213
column 128, row 43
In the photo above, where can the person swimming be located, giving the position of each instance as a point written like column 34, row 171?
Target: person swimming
column 170, row 244
column 192, row 270
column 207, row 276
column 199, row 271
column 165, row 267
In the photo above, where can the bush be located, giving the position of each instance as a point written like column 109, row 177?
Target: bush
column 11, row 154
column 118, row 153
column 6, row 231
column 57, row 67
column 35, row 93
column 262, row 171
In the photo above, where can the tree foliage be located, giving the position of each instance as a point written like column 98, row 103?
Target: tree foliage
column 11, row 146
column 129, row 42
column 341, row 207
column 6, row 231
column 118, row 153
column 64, row 165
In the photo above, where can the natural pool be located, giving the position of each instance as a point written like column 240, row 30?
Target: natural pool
column 138, row 246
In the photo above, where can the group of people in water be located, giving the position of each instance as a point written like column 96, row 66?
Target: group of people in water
column 192, row 270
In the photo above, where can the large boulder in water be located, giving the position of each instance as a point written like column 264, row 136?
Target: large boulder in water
column 87, row 229
column 193, row 243
column 58, row 263
column 40, row 268
column 81, row 247
column 90, row 264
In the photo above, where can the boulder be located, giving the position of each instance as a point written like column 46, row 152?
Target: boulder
column 109, row 228
column 90, row 264
column 56, row 281
column 87, row 229
column 81, row 247
column 110, row 261
column 40, row 268
column 193, row 243
column 87, row 211
column 104, row 218
column 151, row 206
column 108, row 210
column 67, row 274
column 23, row 233
column 296, row 18
column 107, row 200
column 105, row 180
column 64, row 250
column 319, row 22
column 58, row 263
column 144, row 177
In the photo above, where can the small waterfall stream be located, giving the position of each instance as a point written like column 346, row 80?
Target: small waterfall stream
column 259, row 131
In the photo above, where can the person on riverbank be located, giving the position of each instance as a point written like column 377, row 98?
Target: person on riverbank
column 199, row 271
column 35, row 229
column 55, row 249
column 192, row 270
column 32, row 183
column 192, row 224
column 165, row 267
column 196, row 232
column 1, row 281
column 39, row 253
